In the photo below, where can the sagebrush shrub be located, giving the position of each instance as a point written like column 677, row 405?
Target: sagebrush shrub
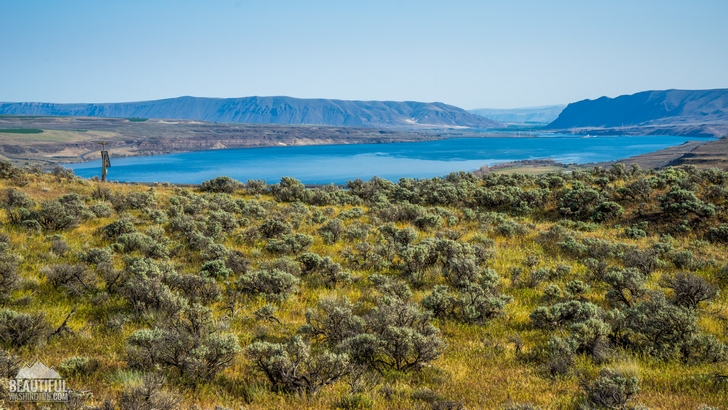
column 271, row 284
column 95, row 256
column 334, row 321
column 332, row 231
column 221, row 185
column 75, row 279
column 561, row 354
column 78, row 366
column 612, row 389
column 22, row 329
column 272, row 228
column 216, row 269
column 59, row 247
column 9, row 279
column 689, row 289
column 627, row 286
column 197, row 289
column 9, row 365
column 148, row 395
column 118, row 228
column 295, row 367
column 142, row 284
column 133, row 200
column 188, row 344
column 101, row 210
column 255, row 186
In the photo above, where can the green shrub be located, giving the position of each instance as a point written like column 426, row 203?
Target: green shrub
column 213, row 251
column 289, row 244
column 189, row 345
column 644, row 260
column 333, row 321
column 195, row 288
column 474, row 300
column 142, row 284
column 22, row 329
column 578, row 202
column 681, row 203
column 157, row 216
column 216, row 269
column 9, row 279
column 563, row 314
column 118, row 228
column 75, row 279
column 145, row 244
column 607, row 211
column 561, row 354
column 657, row 327
column 266, row 313
column 148, row 395
column 718, row 234
column 284, row 264
column 55, row 215
column 288, row 190
column 133, row 200
column 295, row 367
column 255, row 186
column 272, row 284
column 237, row 262
column 627, row 286
column 428, row 222
column 272, row 228
column 311, row 262
column 332, row 231
column 689, row 289
column 511, row 228
column 101, row 210
column 611, row 390
column 78, row 366
column 399, row 336
column 221, row 185
column 95, row 256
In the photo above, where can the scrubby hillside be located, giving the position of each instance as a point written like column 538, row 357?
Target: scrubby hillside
column 591, row 289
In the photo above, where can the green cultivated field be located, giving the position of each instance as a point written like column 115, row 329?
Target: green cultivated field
column 20, row 131
column 599, row 289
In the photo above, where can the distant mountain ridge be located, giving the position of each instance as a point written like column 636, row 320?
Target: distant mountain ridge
column 648, row 109
column 543, row 114
column 269, row 110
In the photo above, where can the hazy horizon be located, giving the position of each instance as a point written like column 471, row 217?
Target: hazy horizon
column 470, row 54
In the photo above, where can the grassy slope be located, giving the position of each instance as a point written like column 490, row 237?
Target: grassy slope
column 479, row 367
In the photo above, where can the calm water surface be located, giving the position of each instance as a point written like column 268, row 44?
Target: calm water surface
column 323, row 164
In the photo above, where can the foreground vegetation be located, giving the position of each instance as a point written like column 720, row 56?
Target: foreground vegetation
column 580, row 290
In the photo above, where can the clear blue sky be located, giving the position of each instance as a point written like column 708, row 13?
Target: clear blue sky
column 502, row 54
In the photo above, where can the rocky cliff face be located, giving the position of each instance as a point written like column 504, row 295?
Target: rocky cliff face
column 648, row 108
column 269, row 110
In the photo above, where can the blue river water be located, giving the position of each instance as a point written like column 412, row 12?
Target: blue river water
column 323, row 164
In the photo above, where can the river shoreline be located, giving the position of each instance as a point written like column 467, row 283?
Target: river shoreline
column 337, row 163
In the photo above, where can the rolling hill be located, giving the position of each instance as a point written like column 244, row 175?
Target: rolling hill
column 268, row 110
column 686, row 112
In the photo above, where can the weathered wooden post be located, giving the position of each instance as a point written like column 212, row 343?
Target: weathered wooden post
column 105, row 163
